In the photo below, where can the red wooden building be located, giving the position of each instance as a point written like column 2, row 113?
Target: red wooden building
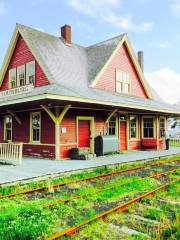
column 56, row 95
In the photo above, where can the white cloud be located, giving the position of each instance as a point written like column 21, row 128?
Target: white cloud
column 85, row 27
column 164, row 44
column 2, row 9
column 106, row 11
column 166, row 82
column 176, row 7
column 92, row 7
column 126, row 22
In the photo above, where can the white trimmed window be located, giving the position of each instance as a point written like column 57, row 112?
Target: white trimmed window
column 112, row 126
column 35, row 127
column 133, row 127
column 8, row 128
column 21, row 76
column 148, row 127
column 162, row 127
column 12, row 78
column 30, row 72
column 122, row 82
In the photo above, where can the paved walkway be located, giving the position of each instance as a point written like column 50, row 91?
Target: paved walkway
column 32, row 167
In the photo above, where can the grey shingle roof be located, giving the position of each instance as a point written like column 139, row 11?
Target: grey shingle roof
column 98, row 55
column 70, row 69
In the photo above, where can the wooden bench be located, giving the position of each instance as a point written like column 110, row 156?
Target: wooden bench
column 148, row 144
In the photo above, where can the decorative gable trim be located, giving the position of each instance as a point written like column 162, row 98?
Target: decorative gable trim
column 133, row 57
column 9, row 54
column 17, row 33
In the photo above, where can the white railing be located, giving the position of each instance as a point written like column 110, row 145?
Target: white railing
column 11, row 153
column 175, row 142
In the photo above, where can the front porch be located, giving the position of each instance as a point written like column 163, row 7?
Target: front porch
column 35, row 167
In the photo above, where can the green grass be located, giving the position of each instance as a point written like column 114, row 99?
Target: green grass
column 174, row 143
column 22, row 218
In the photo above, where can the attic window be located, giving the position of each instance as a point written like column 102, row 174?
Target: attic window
column 12, row 78
column 21, row 75
column 122, row 82
column 30, row 72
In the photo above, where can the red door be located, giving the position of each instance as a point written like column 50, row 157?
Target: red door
column 83, row 133
column 123, row 139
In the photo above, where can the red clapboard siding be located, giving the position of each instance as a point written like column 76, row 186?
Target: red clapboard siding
column 123, row 144
column 23, row 55
column 39, row 151
column 121, row 61
column 84, row 133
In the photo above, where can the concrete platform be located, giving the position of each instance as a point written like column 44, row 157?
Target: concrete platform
column 33, row 167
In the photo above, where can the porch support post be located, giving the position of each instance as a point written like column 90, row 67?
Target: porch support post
column 111, row 114
column 57, row 119
column 18, row 120
column 157, row 131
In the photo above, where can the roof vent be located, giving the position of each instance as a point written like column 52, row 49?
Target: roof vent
column 66, row 33
column 141, row 59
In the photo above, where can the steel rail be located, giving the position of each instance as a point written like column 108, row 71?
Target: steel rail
column 86, row 179
column 155, row 175
column 121, row 207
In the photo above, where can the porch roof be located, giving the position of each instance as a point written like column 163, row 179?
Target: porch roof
column 92, row 96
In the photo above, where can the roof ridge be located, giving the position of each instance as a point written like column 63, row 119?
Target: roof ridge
column 109, row 39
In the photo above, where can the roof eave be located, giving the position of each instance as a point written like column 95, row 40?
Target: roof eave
column 86, row 100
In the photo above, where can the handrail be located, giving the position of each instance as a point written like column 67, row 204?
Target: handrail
column 11, row 153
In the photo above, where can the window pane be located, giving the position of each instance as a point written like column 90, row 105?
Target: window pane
column 12, row 78
column 112, row 126
column 162, row 127
column 148, row 128
column 36, row 126
column 119, row 87
column 30, row 68
column 133, row 127
column 21, row 75
column 8, row 128
column 126, row 88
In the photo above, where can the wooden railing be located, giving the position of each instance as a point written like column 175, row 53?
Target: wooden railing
column 175, row 142
column 11, row 153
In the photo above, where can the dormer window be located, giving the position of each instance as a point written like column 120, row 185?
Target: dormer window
column 22, row 75
column 30, row 72
column 12, row 78
column 122, row 82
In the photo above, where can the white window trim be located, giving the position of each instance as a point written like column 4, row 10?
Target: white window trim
column 18, row 80
column 116, row 127
column 27, row 70
column 137, row 128
column 154, row 127
column 10, row 74
column 6, row 128
column 31, row 128
column 123, row 82
column 164, row 118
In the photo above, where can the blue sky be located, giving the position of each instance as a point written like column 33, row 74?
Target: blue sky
column 152, row 26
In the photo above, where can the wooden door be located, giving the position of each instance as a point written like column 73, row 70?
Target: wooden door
column 84, row 133
column 123, row 136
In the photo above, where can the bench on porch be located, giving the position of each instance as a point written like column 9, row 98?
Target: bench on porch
column 148, row 144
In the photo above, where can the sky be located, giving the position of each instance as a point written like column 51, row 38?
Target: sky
column 152, row 26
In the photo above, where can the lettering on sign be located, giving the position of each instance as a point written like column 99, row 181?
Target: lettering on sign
column 16, row 91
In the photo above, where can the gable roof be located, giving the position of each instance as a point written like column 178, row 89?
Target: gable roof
column 61, row 62
column 102, row 49
column 71, row 69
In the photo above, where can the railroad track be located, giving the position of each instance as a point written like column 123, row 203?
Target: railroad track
column 122, row 207
column 100, row 176
column 156, row 175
